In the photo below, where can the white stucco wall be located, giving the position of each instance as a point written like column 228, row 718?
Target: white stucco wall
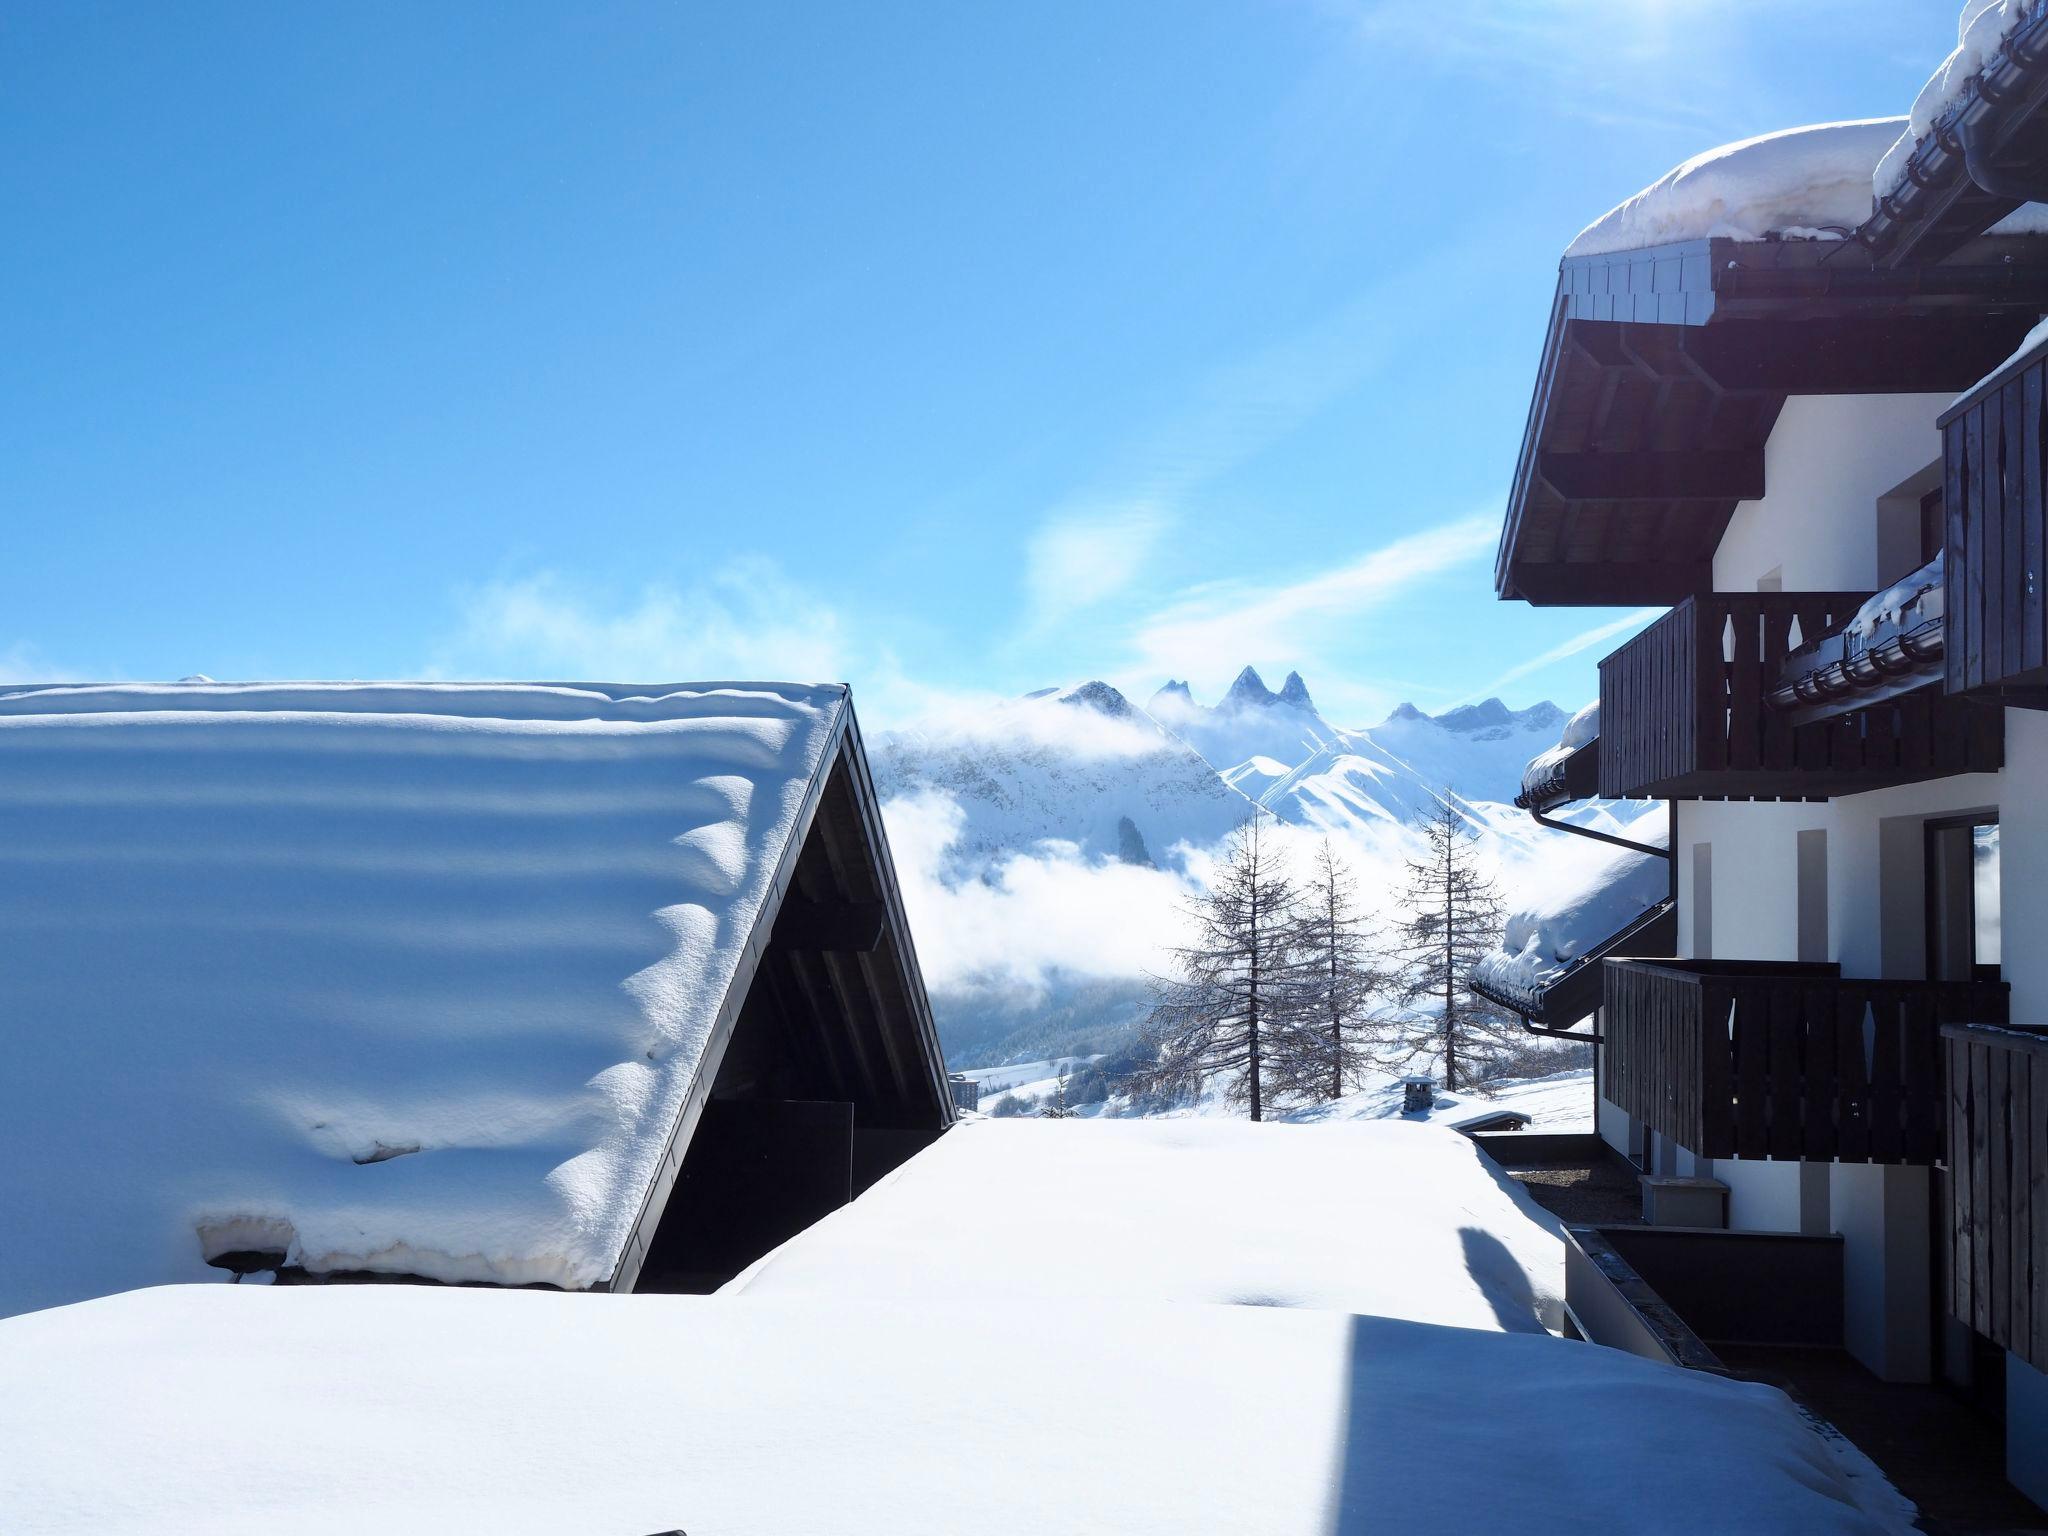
column 1829, row 461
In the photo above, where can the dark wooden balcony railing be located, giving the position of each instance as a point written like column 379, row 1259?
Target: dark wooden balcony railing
column 1995, row 496
column 1683, row 711
column 1998, row 1186
column 1745, row 1058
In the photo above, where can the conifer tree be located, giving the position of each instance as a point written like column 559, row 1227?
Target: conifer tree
column 1451, row 917
column 1230, row 1010
column 1340, row 981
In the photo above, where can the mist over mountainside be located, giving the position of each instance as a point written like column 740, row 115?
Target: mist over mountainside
column 1047, row 844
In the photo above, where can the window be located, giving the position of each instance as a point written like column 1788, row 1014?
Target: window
column 1963, row 935
column 1933, row 525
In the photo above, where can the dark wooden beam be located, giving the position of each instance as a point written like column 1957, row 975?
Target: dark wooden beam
column 1868, row 355
column 1608, row 583
column 1705, row 475
column 842, row 926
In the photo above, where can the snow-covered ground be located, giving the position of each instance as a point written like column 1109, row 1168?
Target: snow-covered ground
column 407, row 978
column 1561, row 1101
column 243, row 1411
column 1395, row 1220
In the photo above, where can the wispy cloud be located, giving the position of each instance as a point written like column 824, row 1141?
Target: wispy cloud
column 22, row 662
column 1564, row 650
column 1077, row 559
column 1213, row 630
column 1093, row 544
column 746, row 621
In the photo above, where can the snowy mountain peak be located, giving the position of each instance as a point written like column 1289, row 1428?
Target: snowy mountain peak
column 1405, row 712
column 1294, row 691
column 1100, row 697
column 1250, row 688
column 1490, row 715
column 1174, row 693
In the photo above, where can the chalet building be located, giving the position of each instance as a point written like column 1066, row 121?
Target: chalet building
column 1819, row 441
column 584, row 987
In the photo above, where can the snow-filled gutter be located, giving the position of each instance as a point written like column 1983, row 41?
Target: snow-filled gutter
column 1954, row 167
column 1894, row 645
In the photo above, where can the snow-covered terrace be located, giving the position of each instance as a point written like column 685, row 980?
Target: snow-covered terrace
column 1030, row 1327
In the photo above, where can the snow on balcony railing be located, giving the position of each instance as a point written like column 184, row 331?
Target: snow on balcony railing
column 1893, row 644
column 1570, row 927
column 1568, row 771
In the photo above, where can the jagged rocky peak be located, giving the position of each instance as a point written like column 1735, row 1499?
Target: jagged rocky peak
column 1100, row 697
column 1250, row 688
column 1294, row 691
column 1406, row 712
column 1174, row 693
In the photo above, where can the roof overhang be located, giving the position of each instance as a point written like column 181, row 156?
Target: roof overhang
column 1664, row 372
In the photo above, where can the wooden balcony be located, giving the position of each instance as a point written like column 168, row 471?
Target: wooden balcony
column 1995, row 493
column 1755, row 1059
column 1998, row 1186
column 1684, row 711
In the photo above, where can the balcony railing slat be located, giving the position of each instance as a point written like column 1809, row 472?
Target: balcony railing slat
column 2037, row 1206
column 2032, row 417
column 1981, row 1188
column 1998, row 1142
column 1823, row 1088
column 1853, row 1064
column 2012, row 574
column 1961, row 1191
column 1752, row 1043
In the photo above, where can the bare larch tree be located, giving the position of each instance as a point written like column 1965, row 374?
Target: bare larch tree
column 1236, row 995
column 1451, row 915
column 1341, row 981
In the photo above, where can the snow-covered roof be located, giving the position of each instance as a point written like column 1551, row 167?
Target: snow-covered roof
column 409, row 978
column 1804, row 183
column 234, row 1411
column 1815, row 183
column 1193, row 1210
column 1547, row 766
column 1551, row 935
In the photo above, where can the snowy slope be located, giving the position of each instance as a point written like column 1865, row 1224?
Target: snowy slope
column 1394, row 773
column 405, row 978
column 1079, row 765
column 240, row 1411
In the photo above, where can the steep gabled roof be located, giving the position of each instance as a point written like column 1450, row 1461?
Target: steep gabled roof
column 416, row 979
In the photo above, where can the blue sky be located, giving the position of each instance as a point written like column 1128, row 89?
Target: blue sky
column 952, row 349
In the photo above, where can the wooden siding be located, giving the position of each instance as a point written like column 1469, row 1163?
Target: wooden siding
column 1993, row 487
column 1997, row 1152
column 1683, row 712
column 1755, row 1059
